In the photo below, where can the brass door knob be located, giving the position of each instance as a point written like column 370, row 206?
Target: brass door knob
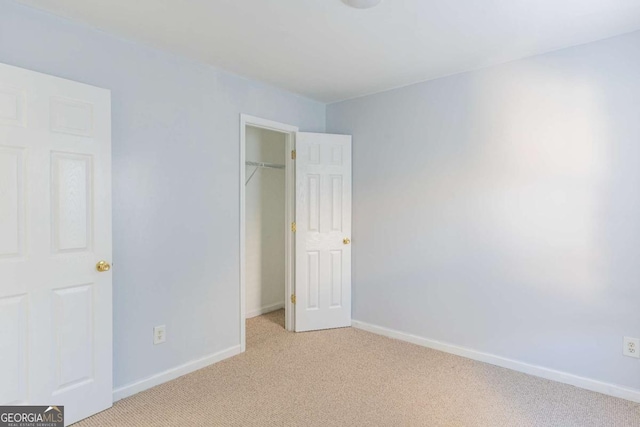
column 103, row 266
column 346, row 241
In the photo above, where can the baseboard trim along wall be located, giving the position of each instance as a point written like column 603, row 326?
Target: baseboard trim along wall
column 173, row 373
column 264, row 310
column 538, row 371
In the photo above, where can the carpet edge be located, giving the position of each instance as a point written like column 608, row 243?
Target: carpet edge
column 515, row 365
column 173, row 373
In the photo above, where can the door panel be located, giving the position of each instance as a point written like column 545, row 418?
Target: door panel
column 11, row 209
column 13, row 347
column 71, row 203
column 73, row 326
column 336, row 278
column 55, row 225
column 12, row 105
column 323, row 222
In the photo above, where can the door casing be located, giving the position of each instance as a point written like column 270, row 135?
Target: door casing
column 290, row 134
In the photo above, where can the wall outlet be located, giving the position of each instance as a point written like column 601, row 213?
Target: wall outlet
column 631, row 347
column 159, row 334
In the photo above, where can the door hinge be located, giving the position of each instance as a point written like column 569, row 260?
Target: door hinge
column 293, row 227
column 293, row 154
column 293, row 298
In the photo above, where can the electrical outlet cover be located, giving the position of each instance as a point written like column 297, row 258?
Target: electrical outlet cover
column 631, row 347
column 159, row 334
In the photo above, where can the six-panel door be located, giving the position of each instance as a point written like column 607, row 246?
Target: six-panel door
column 55, row 225
column 323, row 223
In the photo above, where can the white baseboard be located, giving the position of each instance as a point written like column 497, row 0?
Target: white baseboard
column 538, row 371
column 264, row 310
column 173, row 373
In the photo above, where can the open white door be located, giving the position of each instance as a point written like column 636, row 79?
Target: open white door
column 55, row 225
column 323, row 231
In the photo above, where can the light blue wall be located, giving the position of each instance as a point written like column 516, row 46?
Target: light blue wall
column 499, row 210
column 175, row 181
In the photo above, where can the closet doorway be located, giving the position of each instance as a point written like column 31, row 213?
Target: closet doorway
column 266, row 217
column 304, row 227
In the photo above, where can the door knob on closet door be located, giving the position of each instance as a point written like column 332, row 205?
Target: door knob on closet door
column 103, row 266
column 346, row 241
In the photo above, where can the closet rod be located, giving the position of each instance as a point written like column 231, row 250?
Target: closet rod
column 265, row 165
column 259, row 165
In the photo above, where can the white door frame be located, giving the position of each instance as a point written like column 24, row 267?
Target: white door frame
column 290, row 132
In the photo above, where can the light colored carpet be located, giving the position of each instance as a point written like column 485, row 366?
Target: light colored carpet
column 348, row 377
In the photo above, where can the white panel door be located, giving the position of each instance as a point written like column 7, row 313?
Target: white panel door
column 55, row 225
column 323, row 231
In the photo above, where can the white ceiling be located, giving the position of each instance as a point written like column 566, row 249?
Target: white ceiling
column 328, row 51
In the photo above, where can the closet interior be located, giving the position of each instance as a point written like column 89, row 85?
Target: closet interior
column 265, row 186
